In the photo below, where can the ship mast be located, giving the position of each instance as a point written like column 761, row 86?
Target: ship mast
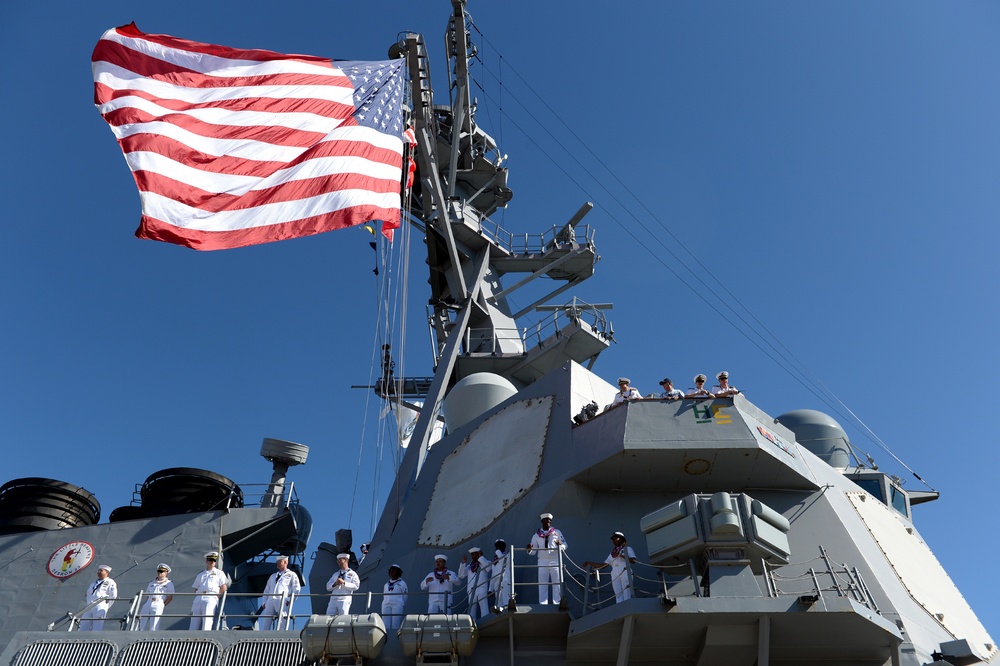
column 461, row 181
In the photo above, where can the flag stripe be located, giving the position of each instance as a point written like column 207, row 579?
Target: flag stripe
column 213, row 202
column 224, row 141
column 196, row 87
column 202, row 57
column 153, row 229
column 165, row 208
column 277, row 135
column 163, row 154
column 107, row 99
column 303, row 114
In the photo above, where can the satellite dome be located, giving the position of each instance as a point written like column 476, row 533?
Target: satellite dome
column 821, row 434
column 473, row 395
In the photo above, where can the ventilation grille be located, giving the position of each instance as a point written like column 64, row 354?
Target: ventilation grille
column 47, row 653
column 171, row 652
column 270, row 652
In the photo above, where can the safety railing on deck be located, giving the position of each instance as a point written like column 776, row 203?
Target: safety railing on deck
column 594, row 589
column 490, row 341
column 249, row 495
column 574, row 312
column 584, row 588
column 535, row 243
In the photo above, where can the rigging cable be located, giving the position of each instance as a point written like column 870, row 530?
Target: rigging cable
column 364, row 421
column 789, row 362
column 385, row 325
column 392, row 318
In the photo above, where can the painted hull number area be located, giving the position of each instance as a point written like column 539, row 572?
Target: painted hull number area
column 711, row 414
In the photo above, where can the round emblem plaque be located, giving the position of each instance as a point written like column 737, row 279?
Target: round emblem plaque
column 70, row 558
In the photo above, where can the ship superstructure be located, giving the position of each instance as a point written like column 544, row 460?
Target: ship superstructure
column 756, row 541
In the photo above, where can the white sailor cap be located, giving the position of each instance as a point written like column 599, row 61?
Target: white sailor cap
column 700, row 377
column 163, row 567
column 105, row 567
column 722, row 375
column 344, row 556
column 618, row 534
column 441, row 557
column 500, row 542
column 212, row 555
column 475, row 549
column 281, row 557
column 624, row 380
column 545, row 515
column 395, row 566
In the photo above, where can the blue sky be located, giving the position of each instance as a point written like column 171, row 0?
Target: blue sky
column 834, row 165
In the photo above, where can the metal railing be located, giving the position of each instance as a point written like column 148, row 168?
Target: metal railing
column 252, row 495
column 533, row 243
column 683, row 580
column 490, row 341
column 583, row 586
column 574, row 312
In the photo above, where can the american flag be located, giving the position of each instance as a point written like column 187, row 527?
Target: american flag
column 233, row 147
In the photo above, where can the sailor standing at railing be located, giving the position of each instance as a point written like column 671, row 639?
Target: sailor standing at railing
column 103, row 591
column 619, row 559
column 724, row 390
column 209, row 585
column 625, row 392
column 439, row 583
column 159, row 593
column 547, row 543
column 500, row 580
column 277, row 593
column 477, row 573
column 341, row 586
column 394, row 594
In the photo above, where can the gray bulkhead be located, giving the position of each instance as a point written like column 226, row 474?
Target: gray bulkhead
column 606, row 474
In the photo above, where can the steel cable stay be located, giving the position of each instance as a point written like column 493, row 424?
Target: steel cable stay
column 657, row 258
column 788, row 361
column 780, row 362
column 384, row 286
column 391, row 312
column 364, row 421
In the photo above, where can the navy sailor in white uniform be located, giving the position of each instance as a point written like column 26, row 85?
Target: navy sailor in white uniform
column 501, row 580
column 724, row 390
column 547, row 543
column 625, row 392
column 620, row 557
column 439, row 583
column 394, row 594
column 209, row 585
column 103, row 591
column 159, row 593
column 477, row 573
column 343, row 583
column 277, row 594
